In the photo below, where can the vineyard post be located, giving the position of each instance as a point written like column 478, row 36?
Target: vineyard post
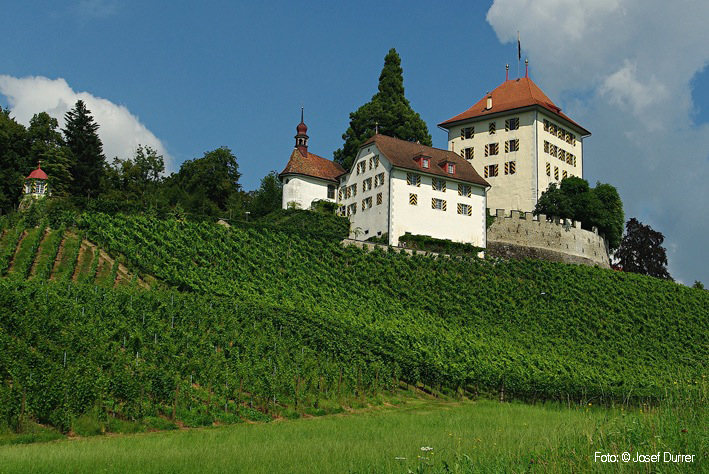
column 177, row 396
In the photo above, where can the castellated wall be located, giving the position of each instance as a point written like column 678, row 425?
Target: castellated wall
column 522, row 235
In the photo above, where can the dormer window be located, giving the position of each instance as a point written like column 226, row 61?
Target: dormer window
column 424, row 163
column 451, row 168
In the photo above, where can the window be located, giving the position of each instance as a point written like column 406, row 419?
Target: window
column 552, row 128
column 361, row 167
column 491, row 171
column 352, row 209
column 465, row 190
column 424, row 162
column 39, row 187
column 438, row 184
column 366, row 203
column 548, row 169
column 367, row 184
column 439, row 204
column 376, row 161
column 467, row 132
column 451, row 168
column 348, row 192
column 553, row 150
column 565, row 174
column 512, row 124
column 491, row 127
column 371, row 162
column 492, row 149
column 413, row 199
column 379, row 180
column 354, row 189
column 546, row 146
column 413, row 179
column 512, row 145
column 341, row 211
column 560, row 133
column 331, row 191
column 379, row 198
column 556, row 173
column 562, row 154
column 467, row 153
column 465, row 209
column 510, row 167
column 568, row 137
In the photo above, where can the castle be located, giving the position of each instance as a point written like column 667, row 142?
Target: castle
column 503, row 152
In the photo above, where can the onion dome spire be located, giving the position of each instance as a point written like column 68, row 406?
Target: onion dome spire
column 301, row 137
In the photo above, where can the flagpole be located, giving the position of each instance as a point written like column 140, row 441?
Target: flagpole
column 519, row 53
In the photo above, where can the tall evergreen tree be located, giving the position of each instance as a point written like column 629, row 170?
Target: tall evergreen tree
column 47, row 145
column 13, row 160
column 88, row 167
column 389, row 111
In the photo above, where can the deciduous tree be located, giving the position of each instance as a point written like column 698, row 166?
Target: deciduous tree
column 14, row 165
column 641, row 251
column 47, row 145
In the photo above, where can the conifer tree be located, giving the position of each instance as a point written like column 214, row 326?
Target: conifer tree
column 88, row 165
column 389, row 111
column 47, row 145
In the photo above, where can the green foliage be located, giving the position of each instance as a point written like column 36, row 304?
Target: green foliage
column 87, row 161
column 205, row 186
column 137, row 179
column 318, row 225
column 698, row 285
column 47, row 146
column 389, row 110
column 598, row 207
column 268, row 197
column 641, row 251
column 446, row 246
column 14, row 166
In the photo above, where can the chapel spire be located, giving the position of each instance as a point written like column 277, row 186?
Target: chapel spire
column 301, row 137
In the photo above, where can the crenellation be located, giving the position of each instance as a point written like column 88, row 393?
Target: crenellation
column 516, row 235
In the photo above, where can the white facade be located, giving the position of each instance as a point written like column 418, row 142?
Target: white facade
column 540, row 150
column 403, row 201
column 301, row 191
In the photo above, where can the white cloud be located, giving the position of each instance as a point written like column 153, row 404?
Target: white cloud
column 120, row 131
column 624, row 69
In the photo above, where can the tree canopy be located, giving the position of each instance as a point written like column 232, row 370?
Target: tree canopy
column 575, row 199
column 207, row 185
column 13, row 160
column 47, row 145
column 389, row 111
column 88, row 165
column 268, row 197
column 641, row 251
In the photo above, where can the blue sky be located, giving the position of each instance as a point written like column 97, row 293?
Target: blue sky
column 188, row 79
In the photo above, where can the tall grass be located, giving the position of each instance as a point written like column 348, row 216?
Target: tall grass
column 468, row 437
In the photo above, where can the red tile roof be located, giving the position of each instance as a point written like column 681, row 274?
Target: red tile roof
column 312, row 165
column 37, row 174
column 511, row 95
column 402, row 153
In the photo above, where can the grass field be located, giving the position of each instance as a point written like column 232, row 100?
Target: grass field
column 483, row 436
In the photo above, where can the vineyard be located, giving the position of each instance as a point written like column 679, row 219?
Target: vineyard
column 247, row 323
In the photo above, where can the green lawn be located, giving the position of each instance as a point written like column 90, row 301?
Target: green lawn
column 495, row 437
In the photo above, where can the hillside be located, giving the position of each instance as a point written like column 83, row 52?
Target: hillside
column 274, row 321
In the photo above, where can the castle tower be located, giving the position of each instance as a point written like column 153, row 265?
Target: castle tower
column 519, row 141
